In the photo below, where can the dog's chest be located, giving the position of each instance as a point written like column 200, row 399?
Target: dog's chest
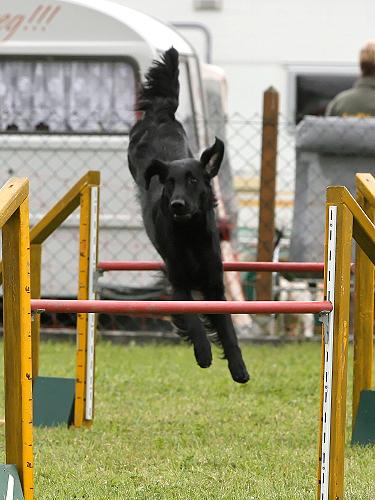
column 199, row 264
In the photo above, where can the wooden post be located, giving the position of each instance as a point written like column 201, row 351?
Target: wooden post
column 340, row 351
column 17, row 346
column 363, row 316
column 266, row 230
column 331, row 468
column 84, row 238
column 86, row 322
column 36, row 269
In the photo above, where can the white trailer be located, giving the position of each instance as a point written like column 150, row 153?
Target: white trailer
column 69, row 71
column 260, row 43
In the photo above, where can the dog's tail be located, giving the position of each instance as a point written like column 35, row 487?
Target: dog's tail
column 161, row 88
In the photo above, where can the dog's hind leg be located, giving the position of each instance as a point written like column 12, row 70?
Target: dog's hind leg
column 190, row 327
column 227, row 337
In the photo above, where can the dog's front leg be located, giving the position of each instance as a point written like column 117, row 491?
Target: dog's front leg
column 190, row 327
column 223, row 325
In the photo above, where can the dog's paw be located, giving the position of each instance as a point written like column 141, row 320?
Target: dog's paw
column 203, row 356
column 239, row 372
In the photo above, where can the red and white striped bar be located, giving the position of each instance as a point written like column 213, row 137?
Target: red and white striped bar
column 315, row 267
column 179, row 307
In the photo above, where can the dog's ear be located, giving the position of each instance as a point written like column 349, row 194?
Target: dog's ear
column 156, row 167
column 212, row 157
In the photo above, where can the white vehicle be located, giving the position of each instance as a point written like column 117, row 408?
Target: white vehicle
column 69, row 71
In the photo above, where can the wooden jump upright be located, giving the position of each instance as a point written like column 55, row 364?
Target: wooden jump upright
column 364, row 300
column 78, row 196
column 86, row 322
column 344, row 219
column 14, row 221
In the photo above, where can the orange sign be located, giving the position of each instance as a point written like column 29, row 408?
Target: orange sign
column 37, row 20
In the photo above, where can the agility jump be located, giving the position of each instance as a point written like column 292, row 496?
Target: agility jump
column 85, row 196
column 345, row 218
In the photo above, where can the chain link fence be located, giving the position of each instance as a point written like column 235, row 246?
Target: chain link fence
column 305, row 160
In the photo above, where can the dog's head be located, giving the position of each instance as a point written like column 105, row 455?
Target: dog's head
column 186, row 183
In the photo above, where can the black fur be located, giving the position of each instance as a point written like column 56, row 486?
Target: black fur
column 162, row 85
column 178, row 210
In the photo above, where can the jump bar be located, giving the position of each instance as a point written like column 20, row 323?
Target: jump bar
column 317, row 267
column 175, row 307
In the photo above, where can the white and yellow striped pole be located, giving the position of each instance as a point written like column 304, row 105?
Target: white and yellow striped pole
column 339, row 222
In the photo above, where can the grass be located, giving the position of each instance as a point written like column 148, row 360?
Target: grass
column 165, row 429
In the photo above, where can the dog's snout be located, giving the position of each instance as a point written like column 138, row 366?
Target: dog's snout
column 178, row 206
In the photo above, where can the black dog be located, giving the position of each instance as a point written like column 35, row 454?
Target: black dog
column 178, row 210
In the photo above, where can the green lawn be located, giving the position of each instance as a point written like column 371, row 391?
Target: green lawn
column 166, row 429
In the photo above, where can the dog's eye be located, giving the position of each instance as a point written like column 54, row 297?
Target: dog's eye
column 192, row 180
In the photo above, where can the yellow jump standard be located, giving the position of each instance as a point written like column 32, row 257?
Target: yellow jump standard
column 344, row 218
column 14, row 221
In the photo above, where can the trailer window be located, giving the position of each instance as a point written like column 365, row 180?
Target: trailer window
column 67, row 96
column 314, row 91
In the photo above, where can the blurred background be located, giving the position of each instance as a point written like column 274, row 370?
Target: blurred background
column 257, row 74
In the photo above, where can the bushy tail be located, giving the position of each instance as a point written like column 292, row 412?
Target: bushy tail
column 161, row 88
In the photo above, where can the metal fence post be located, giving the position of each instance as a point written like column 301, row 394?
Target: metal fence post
column 266, row 230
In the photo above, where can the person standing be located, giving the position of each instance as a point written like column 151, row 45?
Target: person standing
column 358, row 101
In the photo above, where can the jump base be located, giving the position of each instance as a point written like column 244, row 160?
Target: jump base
column 364, row 428
column 10, row 485
column 53, row 400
